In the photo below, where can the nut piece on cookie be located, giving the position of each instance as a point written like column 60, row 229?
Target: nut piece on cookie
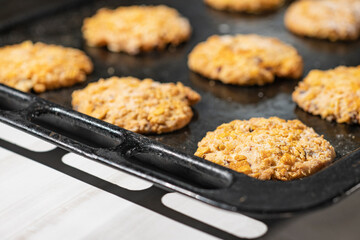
column 267, row 149
column 245, row 59
column 40, row 67
column 326, row 19
column 333, row 94
column 142, row 106
column 136, row 29
column 247, row 6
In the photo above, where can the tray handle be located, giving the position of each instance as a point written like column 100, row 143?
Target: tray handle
column 110, row 144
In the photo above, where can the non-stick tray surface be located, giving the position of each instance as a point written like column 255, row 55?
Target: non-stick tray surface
column 220, row 103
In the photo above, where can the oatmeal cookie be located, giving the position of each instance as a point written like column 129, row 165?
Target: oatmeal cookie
column 245, row 59
column 267, row 148
column 140, row 106
column 136, row 28
column 333, row 94
column 41, row 67
column 248, row 6
column 325, row 19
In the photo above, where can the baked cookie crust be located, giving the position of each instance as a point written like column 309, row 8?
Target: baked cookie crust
column 245, row 59
column 267, row 148
column 324, row 19
column 136, row 29
column 333, row 94
column 40, row 67
column 248, row 6
column 140, row 106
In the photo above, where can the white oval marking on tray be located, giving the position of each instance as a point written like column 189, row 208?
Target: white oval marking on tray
column 24, row 139
column 231, row 222
column 106, row 173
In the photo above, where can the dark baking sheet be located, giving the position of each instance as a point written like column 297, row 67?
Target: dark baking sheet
column 220, row 103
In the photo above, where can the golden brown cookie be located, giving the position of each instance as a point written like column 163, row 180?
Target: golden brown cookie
column 140, row 106
column 248, row 6
column 325, row 19
column 137, row 28
column 333, row 94
column 41, row 67
column 245, row 59
column 267, row 148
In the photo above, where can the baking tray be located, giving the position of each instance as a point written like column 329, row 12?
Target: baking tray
column 167, row 159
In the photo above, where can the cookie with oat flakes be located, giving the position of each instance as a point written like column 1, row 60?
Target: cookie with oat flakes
column 142, row 106
column 248, row 6
column 333, row 94
column 245, row 59
column 326, row 19
column 267, row 149
column 136, row 29
column 40, row 67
